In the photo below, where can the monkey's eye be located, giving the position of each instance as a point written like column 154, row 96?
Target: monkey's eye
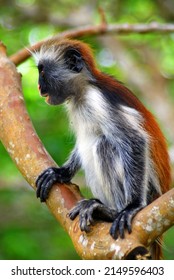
column 74, row 60
column 40, row 68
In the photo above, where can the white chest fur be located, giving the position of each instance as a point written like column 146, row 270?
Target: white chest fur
column 88, row 121
column 87, row 144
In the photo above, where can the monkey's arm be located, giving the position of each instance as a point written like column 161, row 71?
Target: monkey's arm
column 52, row 175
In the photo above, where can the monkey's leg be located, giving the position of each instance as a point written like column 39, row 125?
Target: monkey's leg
column 89, row 210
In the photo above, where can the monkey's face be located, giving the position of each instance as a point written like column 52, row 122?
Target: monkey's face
column 59, row 73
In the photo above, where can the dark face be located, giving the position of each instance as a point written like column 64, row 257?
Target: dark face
column 56, row 76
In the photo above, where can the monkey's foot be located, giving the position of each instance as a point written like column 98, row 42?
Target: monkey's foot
column 123, row 221
column 46, row 180
column 89, row 210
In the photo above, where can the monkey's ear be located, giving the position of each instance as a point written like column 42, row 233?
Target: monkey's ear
column 74, row 60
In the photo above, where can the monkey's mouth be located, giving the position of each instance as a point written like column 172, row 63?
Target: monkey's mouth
column 50, row 97
column 46, row 96
column 43, row 94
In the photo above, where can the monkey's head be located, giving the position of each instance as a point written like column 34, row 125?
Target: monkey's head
column 66, row 67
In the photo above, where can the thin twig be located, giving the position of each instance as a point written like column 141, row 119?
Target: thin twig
column 101, row 29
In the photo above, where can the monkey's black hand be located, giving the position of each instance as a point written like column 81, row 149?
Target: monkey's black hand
column 123, row 221
column 89, row 210
column 46, row 180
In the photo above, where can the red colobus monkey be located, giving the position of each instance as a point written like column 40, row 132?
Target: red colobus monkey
column 118, row 142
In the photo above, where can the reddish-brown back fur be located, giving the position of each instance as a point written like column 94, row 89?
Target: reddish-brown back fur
column 158, row 146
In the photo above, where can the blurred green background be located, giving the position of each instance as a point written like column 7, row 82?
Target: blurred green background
column 145, row 63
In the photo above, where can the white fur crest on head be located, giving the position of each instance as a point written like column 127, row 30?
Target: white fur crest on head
column 53, row 53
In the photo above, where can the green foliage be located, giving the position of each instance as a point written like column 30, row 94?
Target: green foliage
column 27, row 229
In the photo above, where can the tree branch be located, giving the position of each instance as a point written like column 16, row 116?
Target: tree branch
column 101, row 29
column 25, row 148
